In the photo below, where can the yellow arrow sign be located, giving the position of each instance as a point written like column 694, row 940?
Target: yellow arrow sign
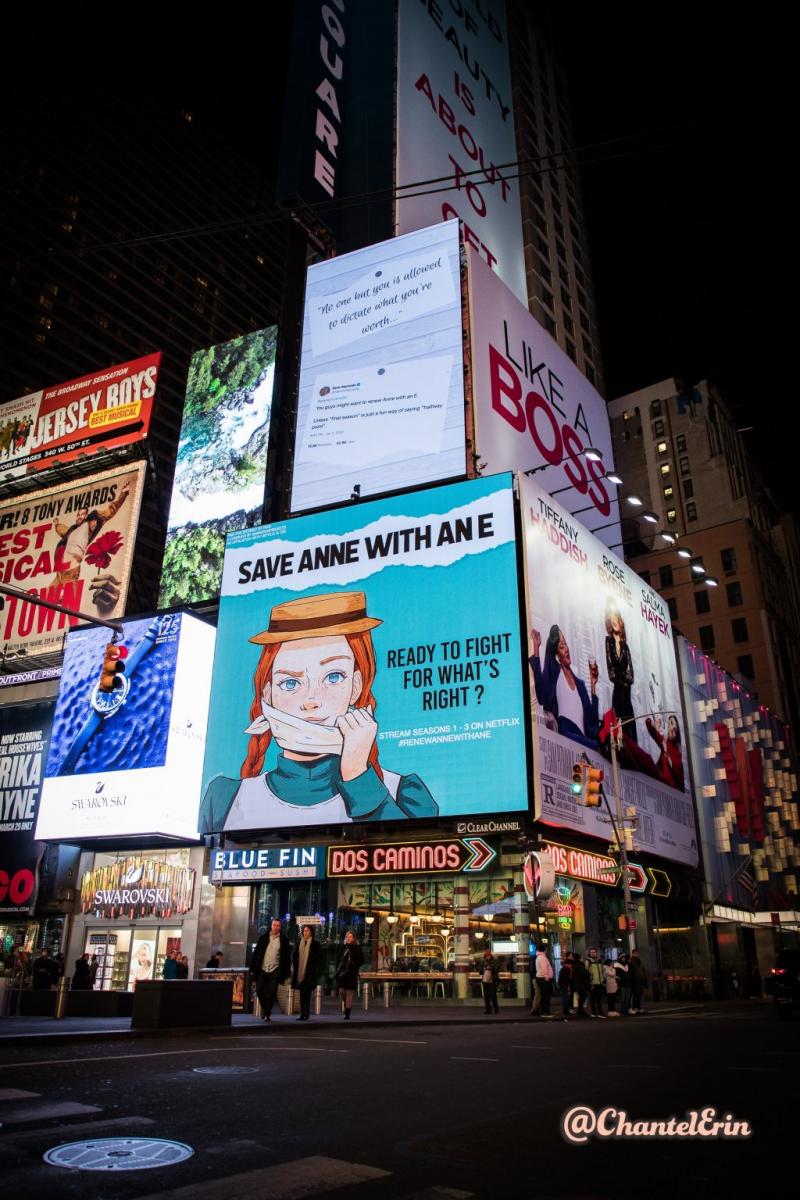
column 661, row 884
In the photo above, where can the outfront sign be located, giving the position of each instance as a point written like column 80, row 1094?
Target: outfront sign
column 469, row 854
column 268, row 862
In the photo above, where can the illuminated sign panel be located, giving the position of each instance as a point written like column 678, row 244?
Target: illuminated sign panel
column 24, row 737
column 267, row 862
column 411, row 858
column 381, row 394
column 221, row 466
column 584, row 864
column 126, row 756
column 79, row 419
column 367, row 666
column 137, row 887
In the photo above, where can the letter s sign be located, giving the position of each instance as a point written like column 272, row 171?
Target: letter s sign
column 18, row 887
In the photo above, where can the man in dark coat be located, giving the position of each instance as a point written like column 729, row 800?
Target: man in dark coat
column 305, row 968
column 82, row 979
column 580, row 984
column 271, row 966
column 45, row 971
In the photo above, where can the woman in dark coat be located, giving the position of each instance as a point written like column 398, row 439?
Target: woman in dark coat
column 305, row 968
column 347, row 968
column 82, row 979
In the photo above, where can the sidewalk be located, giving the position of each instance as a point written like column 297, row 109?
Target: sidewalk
column 31, row 1030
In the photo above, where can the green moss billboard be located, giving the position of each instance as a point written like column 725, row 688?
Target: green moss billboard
column 221, row 464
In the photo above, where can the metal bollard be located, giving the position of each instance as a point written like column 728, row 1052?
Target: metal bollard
column 318, row 999
column 365, row 987
column 257, row 1009
column 290, row 1003
column 61, row 997
column 387, row 991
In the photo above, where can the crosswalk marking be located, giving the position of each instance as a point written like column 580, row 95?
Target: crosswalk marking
column 17, row 1094
column 45, row 1111
column 295, row 1180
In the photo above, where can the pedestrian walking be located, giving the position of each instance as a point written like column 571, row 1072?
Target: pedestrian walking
column 597, row 983
column 544, row 982
column 623, row 973
column 612, row 987
column 170, row 967
column 305, row 967
column 82, row 978
column 94, row 967
column 45, row 971
column 182, row 966
column 347, row 968
column 490, row 973
column 580, row 986
column 638, row 982
column 271, row 965
column 565, row 984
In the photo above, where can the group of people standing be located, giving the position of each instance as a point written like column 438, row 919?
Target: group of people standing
column 275, row 963
column 176, row 966
column 591, row 985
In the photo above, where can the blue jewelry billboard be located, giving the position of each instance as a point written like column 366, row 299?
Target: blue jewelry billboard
column 368, row 665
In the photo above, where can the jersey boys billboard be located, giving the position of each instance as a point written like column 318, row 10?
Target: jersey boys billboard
column 73, row 545
column 601, row 648
column 126, row 752
column 368, row 665
column 533, row 407
column 103, row 411
column 455, row 123
column 381, row 396
column 24, row 735
column 222, row 462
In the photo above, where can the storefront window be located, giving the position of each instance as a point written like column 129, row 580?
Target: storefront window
column 112, row 948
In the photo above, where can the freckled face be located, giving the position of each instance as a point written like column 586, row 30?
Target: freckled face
column 315, row 679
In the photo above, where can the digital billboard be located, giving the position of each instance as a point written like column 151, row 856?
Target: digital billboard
column 455, row 126
column 381, row 394
column 73, row 545
column 24, row 737
column 533, row 408
column 221, row 465
column 102, row 411
column 368, row 666
column 126, row 752
column 602, row 664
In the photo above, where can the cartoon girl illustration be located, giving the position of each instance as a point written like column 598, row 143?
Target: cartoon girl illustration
column 620, row 667
column 313, row 696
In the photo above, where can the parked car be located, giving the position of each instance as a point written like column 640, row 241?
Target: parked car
column 786, row 983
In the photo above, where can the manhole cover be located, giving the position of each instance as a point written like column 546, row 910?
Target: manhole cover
column 224, row 1070
column 118, row 1154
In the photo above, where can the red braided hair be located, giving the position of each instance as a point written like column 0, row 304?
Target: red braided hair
column 364, row 656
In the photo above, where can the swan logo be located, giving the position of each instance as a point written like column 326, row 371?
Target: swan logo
column 133, row 874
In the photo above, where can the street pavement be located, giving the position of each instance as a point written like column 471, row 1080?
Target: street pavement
column 377, row 1111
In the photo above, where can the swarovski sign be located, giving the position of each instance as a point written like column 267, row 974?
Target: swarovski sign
column 138, row 887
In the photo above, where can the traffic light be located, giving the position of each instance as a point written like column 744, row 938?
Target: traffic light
column 113, row 667
column 578, row 773
column 628, row 836
column 594, row 787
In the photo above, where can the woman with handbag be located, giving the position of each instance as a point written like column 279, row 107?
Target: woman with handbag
column 347, row 968
column 305, row 965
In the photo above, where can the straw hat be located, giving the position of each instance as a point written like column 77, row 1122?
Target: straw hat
column 315, row 616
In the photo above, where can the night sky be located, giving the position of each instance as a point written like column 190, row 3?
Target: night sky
column 690, row 233
column 689, row 223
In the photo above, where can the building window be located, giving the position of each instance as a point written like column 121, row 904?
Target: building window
column 655, row 408
column 681, row 443
column 568, row 323
column 684, row 465
column 739, row 628
column 688, row 488
column 672, row 605
column 549, row 324
column 566, row 299
column 672, row 516
column 745, row 664
column 666, row 577
column 702, row 602
column 588, row 371
column 669, row 492
column 664, row 469
column 645, row 575
column 544, row 271
column 662, row 447
column 707, row 638
column 546, row 297
column 658, row 429
column 570, row 348
column 691, row 511
column 728, row 561
column 734, row 591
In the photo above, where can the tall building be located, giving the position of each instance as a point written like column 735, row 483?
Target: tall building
column 730, row 578
column 557, row 262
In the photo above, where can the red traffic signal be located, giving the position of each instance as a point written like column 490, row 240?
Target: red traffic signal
column 113, row 666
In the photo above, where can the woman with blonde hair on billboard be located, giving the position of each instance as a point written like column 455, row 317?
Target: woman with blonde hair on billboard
column 620, row 667
column 313, row 696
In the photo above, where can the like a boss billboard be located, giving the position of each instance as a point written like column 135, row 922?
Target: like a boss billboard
column 533, row 408
column 367, row 665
